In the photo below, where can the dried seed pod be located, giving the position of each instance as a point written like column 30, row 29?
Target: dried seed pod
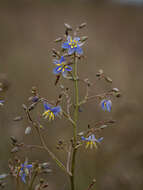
column 41, row 180
column 108, row 79
column 115, row 90
column 118, row 94
column 81, row 133
column 103, row 126
column 34, row 90
column 68, row 27
column 100, row 72
column 58, row 39
column 3, row 176
column 28, row 130
column 83, row 25
column 56, row 52
column 18, row 118
column 84, row 38
column 13, row 139
column 15, row 149
column 112, row 121
column 24, row 106
column 45, row 185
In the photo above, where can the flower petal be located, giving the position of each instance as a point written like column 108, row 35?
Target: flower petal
column 76, row 39
column 79, row 50
column 57, row 70
column 55, row 61
column 29, row 166
column 65, row 45
column 62, row 59
column 23, row 176
column 56, row 110
column 69, row 38
column 68, row 68
column 71, row 50
column 47, row 106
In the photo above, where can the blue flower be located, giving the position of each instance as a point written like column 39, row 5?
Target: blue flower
column 61, row 66
column 106, row 105
column 91, row 140
column 24, row 171
column 51, row 112
column 73, row 45
column 1, row 102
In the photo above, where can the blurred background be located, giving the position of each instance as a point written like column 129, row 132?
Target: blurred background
column 27, row 31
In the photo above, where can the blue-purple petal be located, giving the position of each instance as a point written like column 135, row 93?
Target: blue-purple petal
column 56, row 110
column 55, row 61
column 65, row 45
column 47, row 106
column 29, row 166
column 76, row 39
column 69, row 38
column 71, row 51
column 62, row 59
column 79, row 50
column 83, row 138
column 23, row 176
column 57, row 70
column 69, row 68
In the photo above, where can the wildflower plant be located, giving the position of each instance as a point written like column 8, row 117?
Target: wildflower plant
column 67, row 59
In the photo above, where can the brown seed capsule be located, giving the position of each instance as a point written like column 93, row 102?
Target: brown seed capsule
column 83, row 25
column 27, row 130
column 108, row 79
column 18, row 118
column 15, row 149
column 24, row 106
column 84, row 38
column 68, row 27
column 58, row 39
column 100, row 72
column 115, row 90
column 118, row 95
column 13, row 139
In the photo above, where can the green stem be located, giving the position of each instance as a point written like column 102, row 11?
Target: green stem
column 72, row 178
column 32, row 180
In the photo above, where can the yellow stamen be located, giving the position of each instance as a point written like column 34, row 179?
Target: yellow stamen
column 87, row 144
column 91, row 144
column 46, row 114
column 95, row 145
column 51, row 116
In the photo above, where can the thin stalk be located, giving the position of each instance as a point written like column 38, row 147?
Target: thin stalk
column 72, row 178
column 58, row 162
column 32, row 180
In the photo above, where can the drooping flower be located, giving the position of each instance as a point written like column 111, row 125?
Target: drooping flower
column 106, row 105
column 91, row 141
column 73, row 45
column 24, row 171
column 61, row 66
column 50, row 112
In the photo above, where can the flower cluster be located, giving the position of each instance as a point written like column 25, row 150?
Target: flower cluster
column 73, row 46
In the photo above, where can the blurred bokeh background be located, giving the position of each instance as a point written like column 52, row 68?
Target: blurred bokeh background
column 115, row 30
